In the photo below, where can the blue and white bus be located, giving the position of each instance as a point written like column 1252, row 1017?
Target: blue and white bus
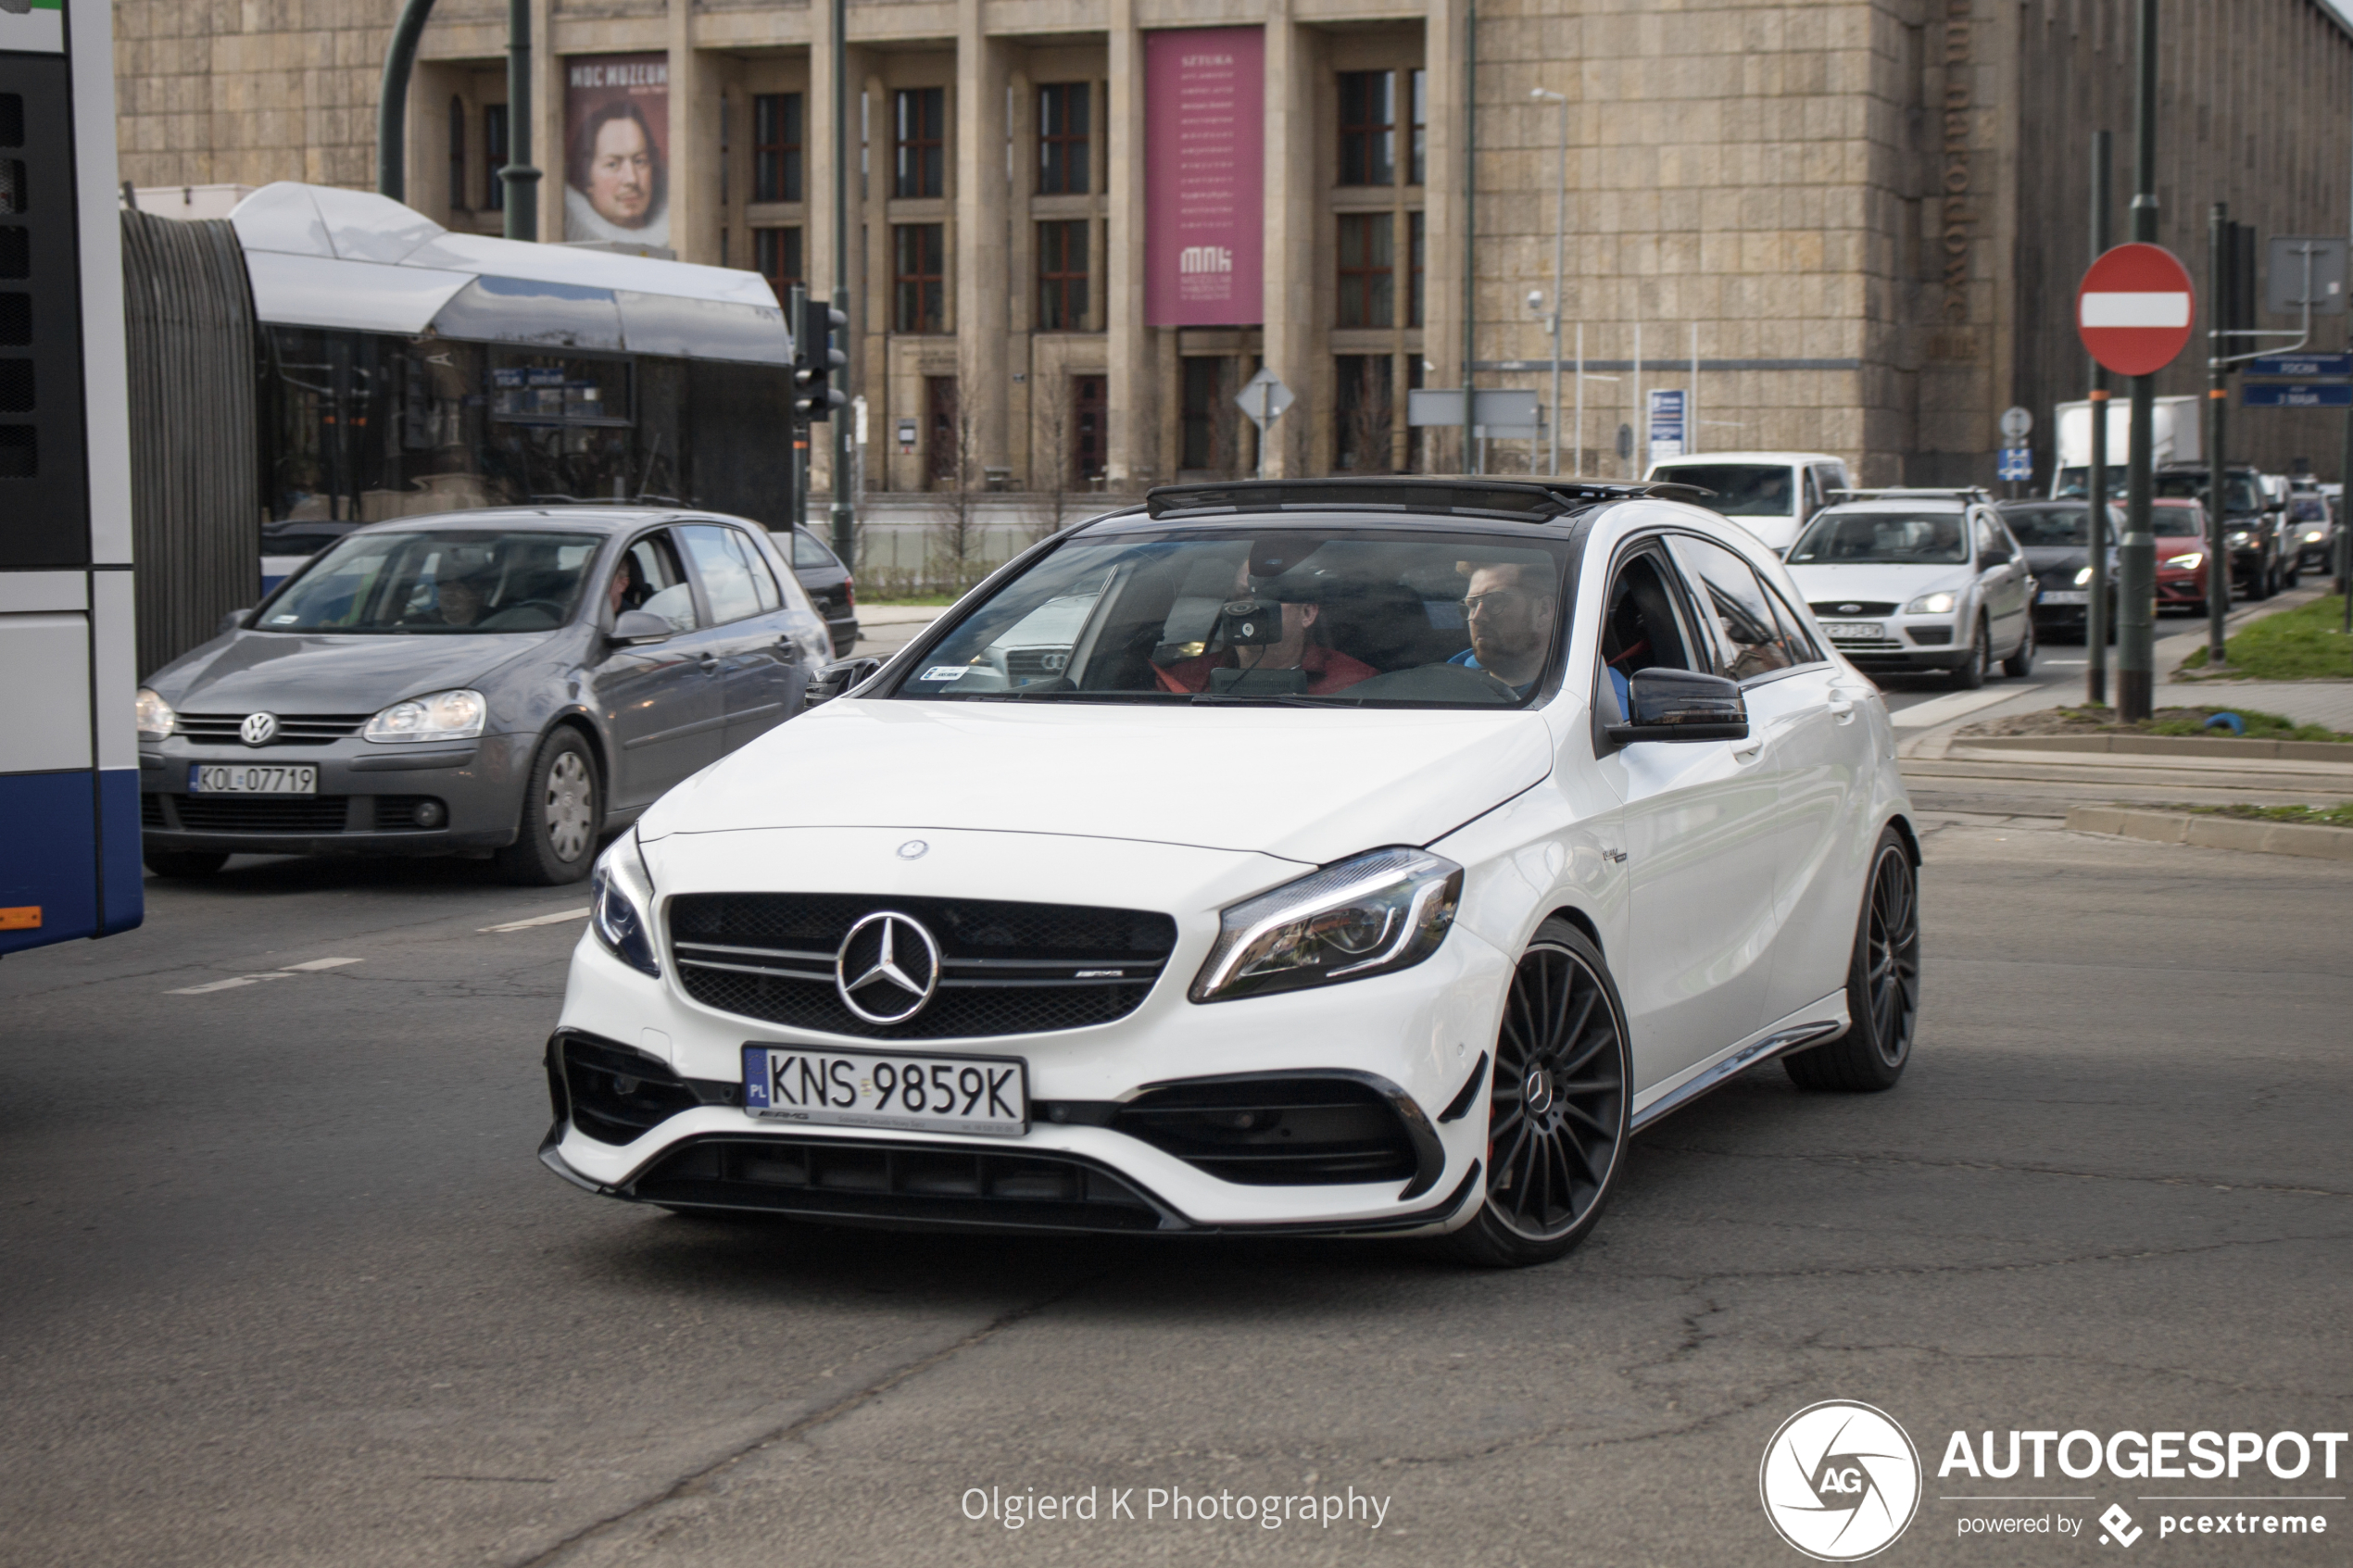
column 68, row 760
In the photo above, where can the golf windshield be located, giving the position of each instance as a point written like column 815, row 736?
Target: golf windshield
column 1882, row 539
column 1266, row 615
column 439, row 581
column 1741, row 489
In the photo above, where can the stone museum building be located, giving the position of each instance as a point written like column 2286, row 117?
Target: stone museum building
column 1079, row 227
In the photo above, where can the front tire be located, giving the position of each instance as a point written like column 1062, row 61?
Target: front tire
column 1883, row 985
column 1970, row 676
column 1557, row 1105
column 2021, row 664
column 562, row 815
column 185, row 862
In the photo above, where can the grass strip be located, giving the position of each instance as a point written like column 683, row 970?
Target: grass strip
column 2303, row 643
column 2337, row 816
column 2093, row 719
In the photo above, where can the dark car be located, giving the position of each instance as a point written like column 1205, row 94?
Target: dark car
column 511, row 681
column 2057, row 537
column 830, row 586
column 2248, row 519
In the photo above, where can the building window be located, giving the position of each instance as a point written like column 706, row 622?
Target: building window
column 1367, row 271
column 1368, row 128
column 1089, row 447
column 923, row 142
column 1418, row 95
column 1062, row 140
column 919, row 278
column 1365, row 411
column 1062, row 276
column 1416, row 239
column 493, row 156
column 1209, row 426
column 458, row 154
column 777, row 253
column 775, row 146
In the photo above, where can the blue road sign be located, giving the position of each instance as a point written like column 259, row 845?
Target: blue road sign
column 2016, row 463
column 2301, row 365
column 2284, row 394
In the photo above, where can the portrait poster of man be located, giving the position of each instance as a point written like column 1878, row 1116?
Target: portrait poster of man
column 617, row 148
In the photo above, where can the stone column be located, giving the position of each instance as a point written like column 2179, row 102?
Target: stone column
column 548, row 149
column 694, row 145
column 1293, row 207
column 984, row 382
column 1443, row 222
column 1132, row 456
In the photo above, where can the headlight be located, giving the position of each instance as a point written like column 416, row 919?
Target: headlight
column 1371, row 914
column 2189, row 562
column 617, row 898
column 2083, row 575
column 153, row 716
column 2314, row 535
column 1932, row 604
column 2239, row 536
column 457, row 715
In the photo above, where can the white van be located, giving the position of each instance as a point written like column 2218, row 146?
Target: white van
column 1770, row 493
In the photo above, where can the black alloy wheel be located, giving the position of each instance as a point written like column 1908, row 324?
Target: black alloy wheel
column 1883, row 983
column 1558, row 1105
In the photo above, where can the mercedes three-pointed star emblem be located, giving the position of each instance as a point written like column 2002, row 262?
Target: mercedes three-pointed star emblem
column 887, row 959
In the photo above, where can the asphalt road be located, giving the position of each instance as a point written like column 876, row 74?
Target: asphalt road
column 286, row 1285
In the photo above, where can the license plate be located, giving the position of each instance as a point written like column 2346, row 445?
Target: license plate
column 1861, row 631
column 2064, row 596
column 251, row 778
column 911, row 1091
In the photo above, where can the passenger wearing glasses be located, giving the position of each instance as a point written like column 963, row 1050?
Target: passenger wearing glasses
column 1509, row 611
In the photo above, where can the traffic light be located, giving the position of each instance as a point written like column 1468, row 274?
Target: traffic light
column 816, row 360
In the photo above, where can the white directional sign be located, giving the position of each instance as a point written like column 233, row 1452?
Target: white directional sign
column 2017, row 423
column 1263, row 399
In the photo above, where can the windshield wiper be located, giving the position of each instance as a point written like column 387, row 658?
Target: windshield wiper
column 1275, row 699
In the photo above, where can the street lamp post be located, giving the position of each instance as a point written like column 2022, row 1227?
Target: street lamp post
column 1560, row 243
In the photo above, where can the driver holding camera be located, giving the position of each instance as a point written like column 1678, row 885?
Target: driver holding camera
column 1271, row 645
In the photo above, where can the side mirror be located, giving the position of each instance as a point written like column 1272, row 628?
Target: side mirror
column 838, row 677
column 233, row 622
column 1677, row 705
column 635, row 626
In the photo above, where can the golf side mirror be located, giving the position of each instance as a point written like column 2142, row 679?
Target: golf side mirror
column 1680, row 705
column 635, row 626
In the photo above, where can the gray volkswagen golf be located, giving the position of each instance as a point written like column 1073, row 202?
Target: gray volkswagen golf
column 512, row 681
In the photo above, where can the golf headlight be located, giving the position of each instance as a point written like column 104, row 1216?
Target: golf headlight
column 2083, row 575
column 457, row 715
column 153, row 718
column 2239, row 536
column 1932, row 604
column 2189, row 562
column 1373, row 914
column 618, row 897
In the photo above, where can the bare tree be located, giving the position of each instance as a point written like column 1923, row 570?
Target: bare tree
column 1056, row 430
column 1365, row 425
column 958, row 542
column 1225, row 423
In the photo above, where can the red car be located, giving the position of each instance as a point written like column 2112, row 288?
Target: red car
column 2180, row 553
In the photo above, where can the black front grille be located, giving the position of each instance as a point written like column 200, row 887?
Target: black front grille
column 920, row 1182
column 1847, row 609
column 263, row 813
column 1274, row 1130
column 151, row 811
column 293, row 729
column 614, row 1094
column 1005, row 968
column 1031, row 664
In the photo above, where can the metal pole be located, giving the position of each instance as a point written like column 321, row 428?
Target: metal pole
column 392, row 102
column 1470, row 220
column 1579, row 454
column 1690, row 398
column 795, row 429
column 1634, row 458
column 843, row 513
column 2136, row 560
column 522, row 180
column 2219, row 285
column 2095, row 617
column 1560, row 251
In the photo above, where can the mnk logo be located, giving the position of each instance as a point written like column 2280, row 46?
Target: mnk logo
column 1841, row 1481
column 2119, row 1526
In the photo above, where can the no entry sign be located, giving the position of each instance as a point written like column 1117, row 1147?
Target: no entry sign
column 2133, row 309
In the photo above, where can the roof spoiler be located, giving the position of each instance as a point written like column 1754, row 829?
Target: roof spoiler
column 1923, row 492
column 1523, row 501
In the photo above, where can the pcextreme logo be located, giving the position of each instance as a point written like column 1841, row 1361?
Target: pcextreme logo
column 1840, row 1481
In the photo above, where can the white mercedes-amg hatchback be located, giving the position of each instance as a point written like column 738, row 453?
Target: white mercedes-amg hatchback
column 1330, row 856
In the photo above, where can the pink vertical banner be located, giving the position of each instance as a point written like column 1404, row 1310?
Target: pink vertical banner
column 1204, row 177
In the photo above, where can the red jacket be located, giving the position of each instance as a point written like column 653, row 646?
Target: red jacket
column 1328, row 670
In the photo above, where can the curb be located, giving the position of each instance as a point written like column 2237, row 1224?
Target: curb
column 2311, row 839
column 2167, row 746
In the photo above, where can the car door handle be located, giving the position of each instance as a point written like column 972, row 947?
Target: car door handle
column 710, row 662
column 1746, row 750
column 1842, row 709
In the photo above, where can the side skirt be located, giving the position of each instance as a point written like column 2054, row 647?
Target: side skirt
column 1802, row 1028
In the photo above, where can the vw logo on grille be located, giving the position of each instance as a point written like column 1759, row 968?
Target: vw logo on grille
column 257, row 729
column 887, row 967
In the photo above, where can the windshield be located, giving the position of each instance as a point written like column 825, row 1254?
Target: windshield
column 1882, row 538
column 1271, row 615
column 2239, row 495
column 2178, row 522
column 2058, row 526
column 1741, row 489
column 444, row 580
